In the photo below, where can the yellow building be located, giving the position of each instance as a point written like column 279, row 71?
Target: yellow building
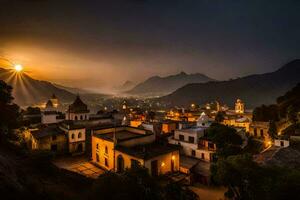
column 243, row 122
column 168, row 127
column 125, row 147
column 239, row 106
column 135, row 123
column 259, row 129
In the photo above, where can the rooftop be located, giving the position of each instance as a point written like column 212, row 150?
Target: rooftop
column 148, row 151
column 78, row 106
column 46, row 131
column 120, row 135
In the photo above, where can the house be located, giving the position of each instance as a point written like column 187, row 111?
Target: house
column 76, row 137
column 281, row 142
column 193, row 143
column 50, row 115
column 118, row 148
column 168, row 126
column 238, row 122
column 259, row 129
column 49, row 138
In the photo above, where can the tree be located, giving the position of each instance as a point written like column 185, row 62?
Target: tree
column 266, row 113
column 292, row 114
column 272, row 129
column 220, row 116
column 226, row 138
column 245, row 179
column 9, row 112
column 136, row 183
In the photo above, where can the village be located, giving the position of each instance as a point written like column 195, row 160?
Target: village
column 175, row 144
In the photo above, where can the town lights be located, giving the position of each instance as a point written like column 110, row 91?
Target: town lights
column 163, row 164
column 173, row 157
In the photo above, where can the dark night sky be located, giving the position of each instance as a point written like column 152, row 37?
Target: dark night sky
column 97, row 44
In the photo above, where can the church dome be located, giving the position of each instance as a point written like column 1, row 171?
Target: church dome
column 78, row 106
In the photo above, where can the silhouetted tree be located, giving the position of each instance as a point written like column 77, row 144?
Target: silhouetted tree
column 272, row 129
column 220, row 116
column 9, row 112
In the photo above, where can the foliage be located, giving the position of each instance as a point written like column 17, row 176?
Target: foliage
column 287, row 106
column 136, row 183
column 33, row 111
column 292, row 114
column 266, row 113
column 9, row 112
column 226, row 138
column 220, row 116
column 245, row 179
column 272, row 129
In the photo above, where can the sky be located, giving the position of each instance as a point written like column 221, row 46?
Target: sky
column 99, row 44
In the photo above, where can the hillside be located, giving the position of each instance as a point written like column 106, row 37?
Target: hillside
column 157, row 85
column 254, row 90
column 28, row 91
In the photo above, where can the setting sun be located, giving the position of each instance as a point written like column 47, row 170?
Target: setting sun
column 18, row 68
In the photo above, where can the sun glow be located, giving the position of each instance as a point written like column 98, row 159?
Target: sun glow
column 18, row 68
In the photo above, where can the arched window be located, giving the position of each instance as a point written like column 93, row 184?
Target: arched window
column 76, row 118
column 97, row 146
column 97, row 158
column 120, row 163
column 79, row 135
column 106, row 150
column 73, row 136
column 81, row 118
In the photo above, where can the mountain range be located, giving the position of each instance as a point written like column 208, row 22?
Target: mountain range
column 29, row 91
column 254, row 89
column 157, row 86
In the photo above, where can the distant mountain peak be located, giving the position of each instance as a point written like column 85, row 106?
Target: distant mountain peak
column 157, row 85
column 254, row 89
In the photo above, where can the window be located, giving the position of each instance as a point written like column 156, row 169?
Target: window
column 54, row 137
column 81, row 118
column 135, row 163
column 76, row 118
column 106, row 162
column 191, row 139
column 261, row 133
column 97, row 146
column 193, row 153
column 181, row 137
column 255, row 132
column 106, row 150
column 73, row 136
column 97, row 158
column 79, row 135
column 202, row 156
column 281, row 143
column 85, row 117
